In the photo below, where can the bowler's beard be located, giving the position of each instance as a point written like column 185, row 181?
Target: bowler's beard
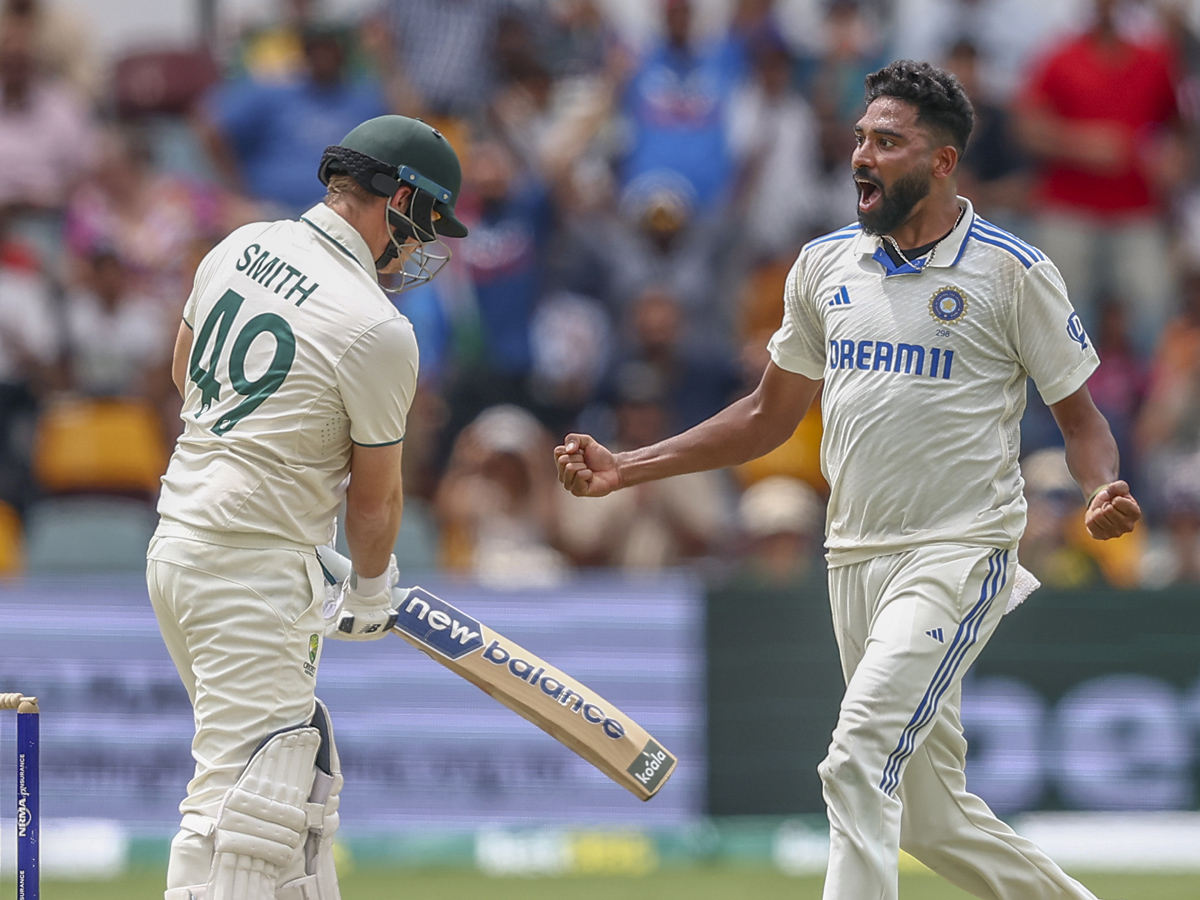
column 897, row 202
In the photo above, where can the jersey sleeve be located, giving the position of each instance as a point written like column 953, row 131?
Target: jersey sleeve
column 1050, row 341
column 377, row 377
column 799, row 344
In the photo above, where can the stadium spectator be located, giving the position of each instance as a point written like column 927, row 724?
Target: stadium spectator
column 773, row 135
column 835, row 192
column 675, row 105
column 557, row 107
column 510, row 217
column 578, row 40
column 62, row 46
column 263, row 138
column 148, row 218
column 555, row 125
column 1099, row 114
column 118, row 342
column 524, row 108
column 1168, row 432
column 438, row 56
column 274, row 51
column 571, row 339
column 651, row 526
column 852, row 49
column 754, row 25
column 782, row 521
column 695, row 380
column 30, row 364
column 495, row 505
column 1008, row 34
column 46, row 138
column 994, row 172
column 660, row 237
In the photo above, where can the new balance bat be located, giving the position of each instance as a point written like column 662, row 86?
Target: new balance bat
column 552, row 700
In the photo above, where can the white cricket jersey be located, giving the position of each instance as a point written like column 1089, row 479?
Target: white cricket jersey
column 925, row 367
column 296, row 353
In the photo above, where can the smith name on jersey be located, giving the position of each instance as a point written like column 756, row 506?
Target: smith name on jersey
column 925, row 367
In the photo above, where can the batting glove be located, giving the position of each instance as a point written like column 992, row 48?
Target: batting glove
column 365, row 609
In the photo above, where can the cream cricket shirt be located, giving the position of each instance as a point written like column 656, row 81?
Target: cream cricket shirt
column 925, row 368
column 296, row 352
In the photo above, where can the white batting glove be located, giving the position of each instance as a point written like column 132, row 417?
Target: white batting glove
column 364, row 610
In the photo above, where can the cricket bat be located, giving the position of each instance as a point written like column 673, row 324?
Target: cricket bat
column 532, row 688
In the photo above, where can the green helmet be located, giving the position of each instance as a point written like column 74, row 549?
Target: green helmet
column 385, row 152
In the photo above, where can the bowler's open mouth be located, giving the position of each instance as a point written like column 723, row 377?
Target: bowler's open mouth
column 868, row 193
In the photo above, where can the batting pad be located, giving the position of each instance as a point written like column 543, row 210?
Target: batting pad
column 319, row 878
column 263, row 820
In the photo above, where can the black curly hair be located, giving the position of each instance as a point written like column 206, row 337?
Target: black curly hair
column 941, row 102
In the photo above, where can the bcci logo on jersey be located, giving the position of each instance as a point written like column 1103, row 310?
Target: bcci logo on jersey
column 948, row 305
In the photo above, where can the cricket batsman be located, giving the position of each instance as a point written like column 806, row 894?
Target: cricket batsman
column 296, row 374
column 924, row 322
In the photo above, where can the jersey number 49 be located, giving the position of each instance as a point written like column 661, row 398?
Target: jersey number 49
column 220, row 320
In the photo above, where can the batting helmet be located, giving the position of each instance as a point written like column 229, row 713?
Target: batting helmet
column 383, row 153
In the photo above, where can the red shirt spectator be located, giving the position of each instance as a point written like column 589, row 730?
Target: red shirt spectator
column 1099, row 106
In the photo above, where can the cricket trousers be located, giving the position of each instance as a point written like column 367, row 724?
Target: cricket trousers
column 909, row 626
column 244, row 627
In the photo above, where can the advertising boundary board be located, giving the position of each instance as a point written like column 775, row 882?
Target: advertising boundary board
column 1083, row 700
column 436, row 752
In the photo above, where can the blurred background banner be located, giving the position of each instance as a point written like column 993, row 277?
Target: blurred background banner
column 420, row 747
column 1082, row 701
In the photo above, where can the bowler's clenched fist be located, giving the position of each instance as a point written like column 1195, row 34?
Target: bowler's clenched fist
column 1112, row 512
column 586, row 467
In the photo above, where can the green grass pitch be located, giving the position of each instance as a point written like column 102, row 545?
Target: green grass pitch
column 683, row 884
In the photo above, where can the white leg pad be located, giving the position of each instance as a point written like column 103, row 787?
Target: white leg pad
column 263, row 819
column 195, row 892
column 319, row 881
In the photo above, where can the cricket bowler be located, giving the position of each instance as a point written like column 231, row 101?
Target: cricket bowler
column 924, row 322
column 297, row 373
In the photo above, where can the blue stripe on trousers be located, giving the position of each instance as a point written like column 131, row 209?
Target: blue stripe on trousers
column 964, row 639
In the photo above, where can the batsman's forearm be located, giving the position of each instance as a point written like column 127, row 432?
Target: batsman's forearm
column 371, row 535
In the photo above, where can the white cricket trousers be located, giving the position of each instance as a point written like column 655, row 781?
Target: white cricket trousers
column 244, row 627
column 908, row 627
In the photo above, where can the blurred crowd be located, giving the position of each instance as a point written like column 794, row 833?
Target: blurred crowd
column 635, row 200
